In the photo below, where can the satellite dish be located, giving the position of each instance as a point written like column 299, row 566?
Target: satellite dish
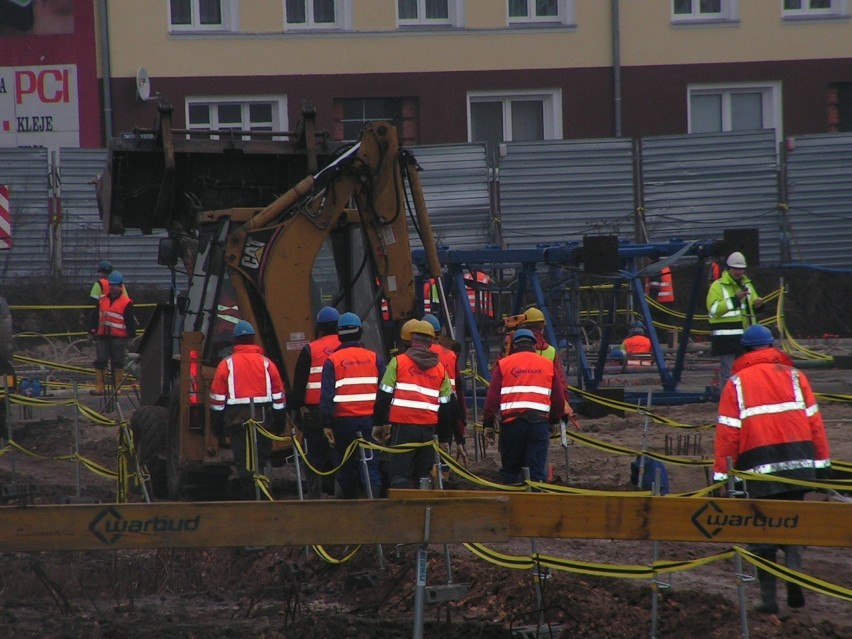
column 143, row 85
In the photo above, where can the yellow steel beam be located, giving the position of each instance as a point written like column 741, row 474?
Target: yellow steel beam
column 280, row 523
column 725, row 521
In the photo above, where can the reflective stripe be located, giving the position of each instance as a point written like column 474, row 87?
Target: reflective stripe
column 352, row 381
column 730, row 421
column 544, row 408
column 217, row 397
column 732, row 331
column 416, row 388
column 822, row 463
column 771, row 409
column 778, row 467
column 386, row 388
column 538, row 390
column 314, row 385
column 720, row 476
column 362, row 397
column 810, row 411
column 315, row 369
column 408, row 403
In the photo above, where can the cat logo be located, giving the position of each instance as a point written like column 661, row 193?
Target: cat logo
column 253, row 254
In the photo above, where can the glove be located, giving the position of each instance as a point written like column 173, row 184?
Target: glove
column 461, row 454
column 329, row 435
column 381, row 433
column 490, row 435
column 217, row 424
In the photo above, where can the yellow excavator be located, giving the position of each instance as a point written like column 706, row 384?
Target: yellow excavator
column 339, row 236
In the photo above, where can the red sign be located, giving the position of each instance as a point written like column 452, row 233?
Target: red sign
column 5, row 219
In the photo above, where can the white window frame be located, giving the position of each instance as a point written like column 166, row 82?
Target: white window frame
column 773, row 117
column 279, row 111
column 552, row 109
column 729, row 11
column 342, row 17
column 455, row 13
column 838, row 9
column 230, row 18
column 565, row 14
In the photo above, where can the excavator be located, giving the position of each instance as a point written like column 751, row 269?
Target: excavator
column 339, row 236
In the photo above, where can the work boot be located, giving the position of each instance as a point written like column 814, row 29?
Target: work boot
column 118, row 377
column 99, row 383
column 793, row 560
column 768, row 604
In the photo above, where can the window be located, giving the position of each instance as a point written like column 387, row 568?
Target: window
column 735, row 108
column 840, row 107
column 236, row 114
column 527, row 12
column 704, row 10
column 202, row 15
column 815, row 8
column 430, row 12
column 351, row 114
column 316, row 14
column 516, row 116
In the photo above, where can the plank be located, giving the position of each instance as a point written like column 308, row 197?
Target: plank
column 280, row 523
column 726, row 521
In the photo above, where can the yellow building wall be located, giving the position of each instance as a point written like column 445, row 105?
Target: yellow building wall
column 139, row 37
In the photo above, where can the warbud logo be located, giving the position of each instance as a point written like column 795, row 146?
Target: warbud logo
column 711, row 519
column 110, row 525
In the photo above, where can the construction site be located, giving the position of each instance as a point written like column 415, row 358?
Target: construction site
column 118, row 516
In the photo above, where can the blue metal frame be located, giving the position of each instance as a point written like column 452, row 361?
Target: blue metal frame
column 570, row 255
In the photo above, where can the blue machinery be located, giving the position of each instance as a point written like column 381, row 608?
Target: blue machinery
column 559, row 298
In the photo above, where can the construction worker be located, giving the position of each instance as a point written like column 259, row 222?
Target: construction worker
column 478, row 296
column 637, row 343
column 247, row 384
column 526, row 392
column 769, row 423
column 414, row 399
column 303, row 400
column 112, row 324
column 732, row 305
column 662, row 292
column 350, row 381
column 450, row 361
column 101, row 285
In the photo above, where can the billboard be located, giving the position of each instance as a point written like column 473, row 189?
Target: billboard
column 39, row 106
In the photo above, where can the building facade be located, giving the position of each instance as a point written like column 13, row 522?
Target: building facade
column 485, row 70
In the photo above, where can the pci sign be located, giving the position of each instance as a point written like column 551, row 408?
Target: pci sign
column 712, row 520
column 110, row 525
column 39, row 106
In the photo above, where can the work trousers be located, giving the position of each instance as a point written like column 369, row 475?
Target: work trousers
column 236, row 430
column 406, row 469
column 350, row 477
column 110, row 349
column 317, row 448
column 523, row 443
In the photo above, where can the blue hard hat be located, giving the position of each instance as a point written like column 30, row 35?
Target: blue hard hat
column 104, row 266
column 521, row 334
column 115, row 278
column 757, row 335
column 327, row 314
column 243, row 328
column 349, row 320
column 434, row 321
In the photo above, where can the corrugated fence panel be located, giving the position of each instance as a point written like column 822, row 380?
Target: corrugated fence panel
column 85, row 242
column 819, row 178
column 25, row 171
column 560, row 190
column 455, row 185
column 696, row 186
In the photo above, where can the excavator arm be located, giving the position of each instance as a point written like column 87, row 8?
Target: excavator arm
column 271, row 256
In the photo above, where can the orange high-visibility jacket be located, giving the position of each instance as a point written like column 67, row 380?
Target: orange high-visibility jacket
column 527, row 383
column 769, row 423
column 321, row 350
column 246, row 376
column 356, row 381
column 417, row 392
column 111, row 321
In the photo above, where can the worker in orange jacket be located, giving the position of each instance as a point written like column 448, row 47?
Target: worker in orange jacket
column 112, row 325
column 450, row 360
column 247, row 381
column 769, row 423
column 303, row 400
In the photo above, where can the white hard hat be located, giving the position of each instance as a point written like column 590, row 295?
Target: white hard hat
column 736, row 260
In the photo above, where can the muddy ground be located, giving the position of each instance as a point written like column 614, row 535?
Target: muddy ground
column 288, row 592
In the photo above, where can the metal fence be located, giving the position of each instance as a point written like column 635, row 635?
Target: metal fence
column 686, row 187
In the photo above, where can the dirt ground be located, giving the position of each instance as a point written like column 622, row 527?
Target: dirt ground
column 290, row 592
